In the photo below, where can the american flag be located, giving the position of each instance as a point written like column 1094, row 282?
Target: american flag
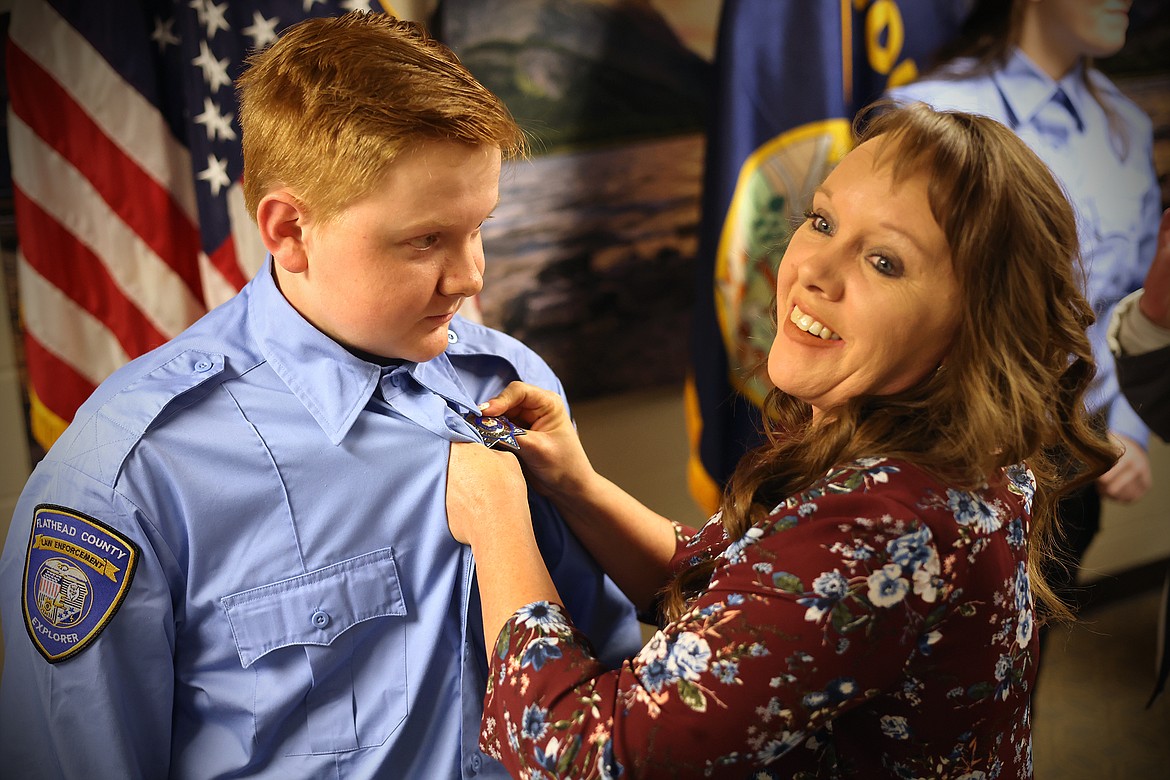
column 125, row 153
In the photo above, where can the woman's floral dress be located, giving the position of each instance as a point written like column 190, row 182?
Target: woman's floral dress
column 878, row 625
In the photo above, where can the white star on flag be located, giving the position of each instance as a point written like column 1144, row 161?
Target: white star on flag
column 215, row 174
column 164, row 34
column 219, row 126
column 215, row 19
column 262, row 31
column 214, row 71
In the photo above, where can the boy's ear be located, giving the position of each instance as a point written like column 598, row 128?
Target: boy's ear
column 281, row 218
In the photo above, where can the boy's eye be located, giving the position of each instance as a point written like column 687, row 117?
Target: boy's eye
column 424, row 242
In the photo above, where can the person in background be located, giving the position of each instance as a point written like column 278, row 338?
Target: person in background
column 1139, row 337
column 236, row 561
column 862, row 606
column 1029, row 64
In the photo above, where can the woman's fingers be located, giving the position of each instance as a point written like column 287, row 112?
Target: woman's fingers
column 527, row 406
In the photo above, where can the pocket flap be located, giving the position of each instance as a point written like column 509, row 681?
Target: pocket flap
column 314, row 608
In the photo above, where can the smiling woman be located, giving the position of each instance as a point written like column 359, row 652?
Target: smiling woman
column 870, row 267
column 864, row 603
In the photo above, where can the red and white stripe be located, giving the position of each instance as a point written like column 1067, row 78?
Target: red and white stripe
column 110, row 263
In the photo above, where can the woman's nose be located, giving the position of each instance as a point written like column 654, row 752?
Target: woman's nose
column 821, row 272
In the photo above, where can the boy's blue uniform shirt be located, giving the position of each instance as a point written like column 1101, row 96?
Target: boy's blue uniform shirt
column 296, row 606
column 1116, row 196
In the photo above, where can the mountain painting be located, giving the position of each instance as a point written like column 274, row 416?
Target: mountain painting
column 590, row 255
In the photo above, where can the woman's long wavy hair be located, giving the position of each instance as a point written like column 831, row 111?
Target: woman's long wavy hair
column 1010, row 389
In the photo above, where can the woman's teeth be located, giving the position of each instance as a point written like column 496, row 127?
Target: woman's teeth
column 809, row 325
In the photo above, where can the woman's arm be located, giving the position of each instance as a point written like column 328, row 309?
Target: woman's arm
column 487, row 508
column 632, row 543
column 786, row 640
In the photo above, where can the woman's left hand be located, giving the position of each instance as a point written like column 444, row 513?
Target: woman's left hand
column 485, row 491
column 1130, row 477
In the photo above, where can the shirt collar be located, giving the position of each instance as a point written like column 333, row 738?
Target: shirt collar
column 332, row 384
column 1026, row 89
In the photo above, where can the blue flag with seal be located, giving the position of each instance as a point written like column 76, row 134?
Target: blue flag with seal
column 76, row 574
column 790, row 76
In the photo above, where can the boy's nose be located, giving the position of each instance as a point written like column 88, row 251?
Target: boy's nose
column 463, row 274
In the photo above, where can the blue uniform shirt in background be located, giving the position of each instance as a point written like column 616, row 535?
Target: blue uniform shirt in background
column 1108, row 178
column 242, row 567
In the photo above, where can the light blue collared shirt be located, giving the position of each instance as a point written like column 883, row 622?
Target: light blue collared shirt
column 1110, row 181
column 298, row 607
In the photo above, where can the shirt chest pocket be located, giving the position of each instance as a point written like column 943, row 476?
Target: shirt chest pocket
column 328, row 652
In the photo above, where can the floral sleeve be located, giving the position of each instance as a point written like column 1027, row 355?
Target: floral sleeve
column 811, row 614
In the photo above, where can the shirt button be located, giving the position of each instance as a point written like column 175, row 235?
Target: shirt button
column 452, row 337
column 202, row 365
column 396, row 380
column 320, row 619
column 476, row 761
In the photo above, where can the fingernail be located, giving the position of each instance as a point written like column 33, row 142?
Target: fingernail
column 484, row 405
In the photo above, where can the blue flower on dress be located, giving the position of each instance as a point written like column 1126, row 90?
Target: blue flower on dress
column 913, row 549
column 1015, row 534
column 688, row 656
column 1023, row 587
column 735, row 551
column 814, row 700
column 895, row 726
column 865, row 464
column 969, row 509
column 542, row 615
column 1022, row 484
column 927, row 640
column 547, row 758
column 535, row 722
column 734, row 599
column 887, row 587
column 652, row 657
column 726, row 670
column 1003, row 665
column 540, row 651
column 841, row 689
column 830, row 587
column 1024, row 627
column 778, row 747
column 654, row 675
column 608, row 767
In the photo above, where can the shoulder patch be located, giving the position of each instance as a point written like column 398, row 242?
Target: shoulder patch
column 76, row 573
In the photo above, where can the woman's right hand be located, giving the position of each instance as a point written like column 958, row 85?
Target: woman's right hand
column 554, row 461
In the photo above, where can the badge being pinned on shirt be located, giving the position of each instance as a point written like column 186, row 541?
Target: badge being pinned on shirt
column 76, row 574
column 496, row 431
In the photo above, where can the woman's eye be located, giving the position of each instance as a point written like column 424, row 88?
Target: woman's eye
column 885, row 265
column 817, row 222
column 424, row 242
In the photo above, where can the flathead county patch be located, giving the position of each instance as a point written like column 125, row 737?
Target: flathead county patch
column 76, row 574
